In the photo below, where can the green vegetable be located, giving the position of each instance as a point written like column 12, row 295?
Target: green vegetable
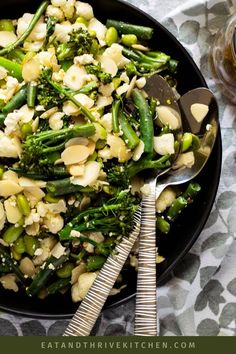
column 66, row 64
column 79, row 43
column 1, row 171
column 192, row 191
column 12, row 67
column 12, row 233
column 30, row 28
column 52, row 171
column 111, row 36
column 64, row 186
column 6, row 25
column 17, row 101
column 178, row 205
column 31, row 94
column 129, row 135
column 19, row 245
column 65, row 270
column 26, row 129
column 162, row 225
column 115, row 116
column 2, row 119
column 58, row 285
column 129, row 39
column 51, row 22
column 38, row 147
column 146, row 120
column 9, row 262
column 141, row 32
column 41, row 278
column 23, row 204
column 31, row 244
column 16, row 55
column 104, row 77
column 95, row 263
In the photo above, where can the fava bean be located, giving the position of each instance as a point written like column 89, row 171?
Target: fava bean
column 12, row 233
column 19, row 245
column 65, row 270
column 31, row 244
column 186, row 141
column 129, row 39
column 23, row 204
column 82, row 20
column 26, row 129
column 111, row 36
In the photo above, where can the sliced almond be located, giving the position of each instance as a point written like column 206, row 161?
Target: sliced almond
column 76, row 170
column 80, row 140
column 168, row 116
column 6, row 38
column 109, row 65
column 31, row 70
column 199, row 111
column 10, row 175
column 91, row 146
column 75, row 154
column 91, row 174
column 138, row 151
column 13, row 213
column 8, row 188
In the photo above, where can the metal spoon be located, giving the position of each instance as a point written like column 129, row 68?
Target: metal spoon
column 146, row 299
column 145, row 321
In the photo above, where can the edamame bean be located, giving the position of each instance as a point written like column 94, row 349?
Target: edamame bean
column 82, row 20
column 26, row 129
column 12, row 233
column 19, row 245
column 23, row 204
column 129, row 39
column 1, row 171
column 100, row 144
column 186, row 141
column 92, row 33
column 31, row 244
column 111, row 36
column 6, row 25
column 65, row 270
column 17, row 256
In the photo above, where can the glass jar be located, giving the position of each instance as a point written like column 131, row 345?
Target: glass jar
column 223, row 59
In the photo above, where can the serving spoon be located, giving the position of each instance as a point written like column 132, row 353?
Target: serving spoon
column 199, row 111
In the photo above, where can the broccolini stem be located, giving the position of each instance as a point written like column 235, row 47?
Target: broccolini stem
column 115, row 116
column 129, row 136
column 70, row 96
column 14, row 68
column 64, row 186
column 30, row 28
column 144, row 164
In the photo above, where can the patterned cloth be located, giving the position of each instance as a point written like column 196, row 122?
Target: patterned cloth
column 200, row 297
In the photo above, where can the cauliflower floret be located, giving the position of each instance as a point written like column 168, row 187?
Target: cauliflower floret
column 59, row 3
column 58, row 76
column 95, row 236
column 185, row 160
column 53, row 222
column 62, row 31
column 99, row 28
column 165, row 200
column 8, row 281
column 103, row 101
column 68, row 8
column 33, row 217
column 106, row 90
column 55, row 121
column 58, row 250
column 12, row 86
column 76, row 272
column 33, row 46
column 84, row 59
column 84, row 9
column 46, row 245
column 79, row 290
column 33, row 229
column 3, row 73
column 39, row 32
column 9, row 147
column 114, row 52
column 55, row 12
column 164, row 144
column 2, row 216
column 48, row 58
column 106, row 122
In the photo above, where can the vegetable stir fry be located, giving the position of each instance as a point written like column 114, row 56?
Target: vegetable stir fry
column 77, row 130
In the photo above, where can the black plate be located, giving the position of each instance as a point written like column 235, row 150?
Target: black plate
column 190, row 223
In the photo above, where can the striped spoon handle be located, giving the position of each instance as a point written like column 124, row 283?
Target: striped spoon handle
column 90, row 308
column 146, row 301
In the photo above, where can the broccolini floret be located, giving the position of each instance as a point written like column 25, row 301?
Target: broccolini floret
column 104, row 77
column 80, row 43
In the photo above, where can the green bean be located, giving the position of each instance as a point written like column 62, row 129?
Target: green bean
column 129, row 135
column 12, row 233
column 162, row 225
column 6, row 25
column 31, row 244
column 115, row 115
column 50, row 199
column 65, row 270
column 8, row 261
column 12, row 67
column 31, row 94
column 178, row 205
column 111, row 36
column 17, row 101
column 192, row 190
column 186, row 141
column 146, row 120
column 23, row 204
column 64, row 186
column 57, row 285
column 129, row 39
column 29, row 29
column 19, row 245
column 141, row 32
column 16, row 55
column 41, row 278
column 95, row 263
